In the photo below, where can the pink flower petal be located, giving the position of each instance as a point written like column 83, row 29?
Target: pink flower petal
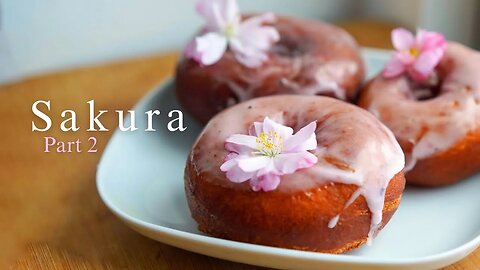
column 271, row 126
column 209, row 48
column 241, row 144
column 217, row 13
column 231, row 11
column 427, row 40
column 257, row 21
column 418, row 56
column 260, row 39
column 247, row 55
column 255, row 129
column 242, row 139
column 404, row 57
column 229, row 163
column 426, row 63
column 249, row 40
column 237, row 175
column 269, row 169
column 254, row 39
column 266, row 183
column 393, row 68
column 246, row 162
column 231, row 156
column 304, row 139
column 402, row 39
column 251, row 33
column 209, row 10
column 190, row 50
column 253, row 164
column 291, row 162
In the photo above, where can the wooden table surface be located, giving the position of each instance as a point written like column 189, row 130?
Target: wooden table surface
column 52, row 216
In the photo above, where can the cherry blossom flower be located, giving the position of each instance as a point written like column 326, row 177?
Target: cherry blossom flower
column 416, row 55
column 269, row 151
column 248, row 40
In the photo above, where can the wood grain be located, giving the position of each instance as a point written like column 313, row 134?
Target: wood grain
column 52, row 217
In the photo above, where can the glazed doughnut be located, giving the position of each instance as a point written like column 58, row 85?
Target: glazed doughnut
column 334, row 206
column 311, row 58
column 440, row 135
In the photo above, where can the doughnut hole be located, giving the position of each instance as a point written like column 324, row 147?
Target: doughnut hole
column 289, row 47
column 445, row 113
column 429, row 89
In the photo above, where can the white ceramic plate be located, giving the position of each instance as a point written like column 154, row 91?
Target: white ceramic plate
column 140, row 178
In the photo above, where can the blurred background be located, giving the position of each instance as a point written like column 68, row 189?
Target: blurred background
column 39, row 36
column 51, row 215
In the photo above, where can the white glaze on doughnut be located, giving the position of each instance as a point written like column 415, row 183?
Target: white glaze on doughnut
column 323, row 77
column 436, row 124
column 353, row 147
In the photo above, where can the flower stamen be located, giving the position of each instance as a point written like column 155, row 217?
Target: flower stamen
column 269, row 151
column 229, row 31
column 269, row 144
column 414, row 52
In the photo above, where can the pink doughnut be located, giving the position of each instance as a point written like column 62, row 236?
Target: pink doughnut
column 440, row 135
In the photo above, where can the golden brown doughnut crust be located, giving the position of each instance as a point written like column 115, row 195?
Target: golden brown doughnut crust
column 296, row 221
column 304, row 45
column 458, row 162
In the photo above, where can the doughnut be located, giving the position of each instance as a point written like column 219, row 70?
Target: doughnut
column 439, row 132
column 334, row 206
column 311, row 58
